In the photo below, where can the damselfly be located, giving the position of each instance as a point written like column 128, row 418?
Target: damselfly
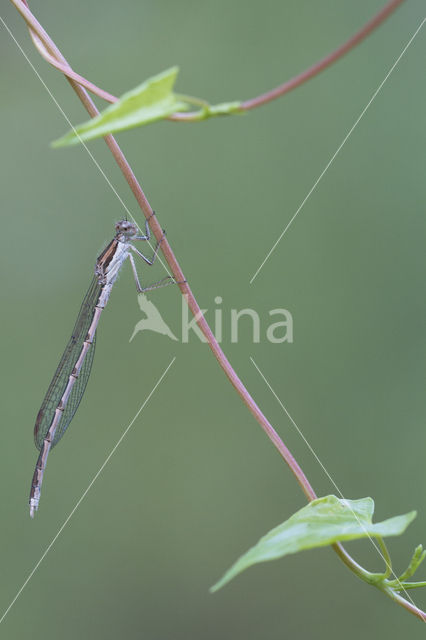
column 69, row 382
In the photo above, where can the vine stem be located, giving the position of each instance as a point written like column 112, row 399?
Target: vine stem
column 409, row 606
column 171, row 260
column 45, row 45
column 319, row 66
column 38, row 35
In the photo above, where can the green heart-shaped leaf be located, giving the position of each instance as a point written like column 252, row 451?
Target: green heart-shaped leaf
column 322, row 522
column 152, row 100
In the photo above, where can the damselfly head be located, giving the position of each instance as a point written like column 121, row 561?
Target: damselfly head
column 126, row 228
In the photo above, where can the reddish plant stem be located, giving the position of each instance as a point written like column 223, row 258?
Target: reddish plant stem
column 44, row 42
column 409, row 606
column 67, row 71
column 325, row 62
column 178, row 274
column 252, row 103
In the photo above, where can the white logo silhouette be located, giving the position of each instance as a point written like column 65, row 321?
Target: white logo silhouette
column 153, row 320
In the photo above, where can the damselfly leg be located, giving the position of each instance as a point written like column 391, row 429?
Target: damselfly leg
column 156, row 285
column 150, row 261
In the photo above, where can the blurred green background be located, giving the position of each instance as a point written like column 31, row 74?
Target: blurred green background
column 195, row 482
